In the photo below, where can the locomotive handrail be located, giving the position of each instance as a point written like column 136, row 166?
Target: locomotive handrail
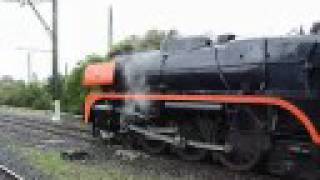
column 227, row 99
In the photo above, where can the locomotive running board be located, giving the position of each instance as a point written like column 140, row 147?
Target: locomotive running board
column 178, row 141
column 261, row 100
column 193, row 106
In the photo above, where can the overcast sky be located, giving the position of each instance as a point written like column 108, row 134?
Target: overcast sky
column 83, row 25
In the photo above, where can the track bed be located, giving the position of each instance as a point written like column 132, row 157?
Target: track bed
column 43, row 135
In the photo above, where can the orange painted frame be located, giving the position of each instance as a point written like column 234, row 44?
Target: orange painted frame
column 226, row 99
column 99, row 74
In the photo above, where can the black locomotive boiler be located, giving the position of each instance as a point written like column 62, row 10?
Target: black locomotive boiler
column 240, row 102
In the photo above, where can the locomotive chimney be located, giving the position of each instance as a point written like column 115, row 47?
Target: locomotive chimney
column 224, row 38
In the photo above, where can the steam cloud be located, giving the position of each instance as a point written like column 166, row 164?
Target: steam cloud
column 136, row 70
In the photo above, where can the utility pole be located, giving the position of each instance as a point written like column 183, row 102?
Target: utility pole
column 37, row 13
column 66, row 69
column 55, row 55
column 301, row 30
column 110, row 29
column 29, row 67
column 30, row 52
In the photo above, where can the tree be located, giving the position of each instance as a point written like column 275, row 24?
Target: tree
column 315, row 29
column 151, row 40
column 73, row 93
column 6, row 78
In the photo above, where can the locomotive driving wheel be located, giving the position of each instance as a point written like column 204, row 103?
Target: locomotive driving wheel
column 198, row 129
column 151, row 146
column 243, row 155
column 248, row 141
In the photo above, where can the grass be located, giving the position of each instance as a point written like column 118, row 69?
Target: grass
column 52, row 165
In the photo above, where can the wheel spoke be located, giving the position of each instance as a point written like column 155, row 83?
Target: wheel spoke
column 152, row 146
column 243, row 135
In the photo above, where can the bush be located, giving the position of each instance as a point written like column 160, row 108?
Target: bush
column 18, row 94
column 39, row 96
column 73, row 93
column 42, row 103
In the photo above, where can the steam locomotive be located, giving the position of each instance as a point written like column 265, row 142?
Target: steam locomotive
column 241, row 102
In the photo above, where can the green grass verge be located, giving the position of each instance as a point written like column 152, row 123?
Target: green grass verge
column 52, row 165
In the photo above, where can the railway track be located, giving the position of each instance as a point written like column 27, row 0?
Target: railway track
column 49, row 127
column 46, row 123
column 41, row 121
column 76, row 132
column 7, row 174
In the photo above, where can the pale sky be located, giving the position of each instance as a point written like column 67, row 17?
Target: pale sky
column 83, row 25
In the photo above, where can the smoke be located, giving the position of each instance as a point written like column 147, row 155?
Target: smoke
column 136, row 70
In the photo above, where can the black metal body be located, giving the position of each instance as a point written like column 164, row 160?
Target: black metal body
column 288, row 67
column 284, row 66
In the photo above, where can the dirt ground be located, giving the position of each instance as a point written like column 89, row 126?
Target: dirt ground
column 31, row 145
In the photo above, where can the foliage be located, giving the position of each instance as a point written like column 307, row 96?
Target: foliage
column 18, row 94
column 149, row 41
column 52, row 166
column 39, row 95
column 315, row 29
column 73, row 93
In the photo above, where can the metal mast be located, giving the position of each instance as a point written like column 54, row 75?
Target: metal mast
column 110, row 28
column 55, row 60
